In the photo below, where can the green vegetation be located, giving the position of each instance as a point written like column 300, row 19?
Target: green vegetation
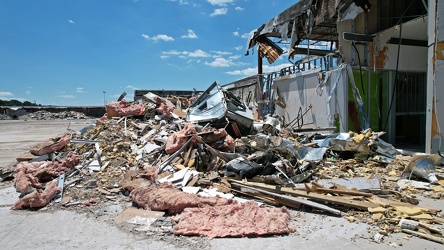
column 17, row 103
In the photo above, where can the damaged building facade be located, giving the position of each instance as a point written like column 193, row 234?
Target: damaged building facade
column 381, row 69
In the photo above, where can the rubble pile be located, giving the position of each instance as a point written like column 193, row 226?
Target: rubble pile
column 219, row 178
column 46, row 115
column 5, row 117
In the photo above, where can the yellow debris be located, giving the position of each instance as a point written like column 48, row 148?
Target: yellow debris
column 377, row 210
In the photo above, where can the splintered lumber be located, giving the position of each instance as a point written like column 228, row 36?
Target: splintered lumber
column 336, row 191
column 391, row 203
column 425, row 236
column 361, row 205
column 290, row 198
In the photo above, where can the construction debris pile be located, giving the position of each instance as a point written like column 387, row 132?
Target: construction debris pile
column 5, row 117
column 46, row 115
column 217, row 174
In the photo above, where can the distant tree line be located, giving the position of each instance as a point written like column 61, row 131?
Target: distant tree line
column 17, row 103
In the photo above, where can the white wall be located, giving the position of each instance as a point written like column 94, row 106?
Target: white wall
column 435, row 78
column 304, row 89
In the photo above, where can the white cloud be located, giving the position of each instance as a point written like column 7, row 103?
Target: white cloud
column 238, row 8
column 180, row 2
column 221, row 52
column 158, row 37
column 71, row 21
column 238, row 47
column 67, row 96
column 190, row 34
column 220, row 2
column 186, row 54
column 27, row 92
column 236, row 33
column 79, row 90
column 172, row 52
column 253, row 71
column 164, row 57
column 235, row 57
column 221, row 11
column 198, row 53
column 220, row 62
column 132, row 87
column 245, row 35
column 5, row 94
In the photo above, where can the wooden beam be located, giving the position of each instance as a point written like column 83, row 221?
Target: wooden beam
column 313, row 196
column 290, row 198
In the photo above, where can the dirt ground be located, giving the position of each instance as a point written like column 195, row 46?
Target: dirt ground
column 93, row 227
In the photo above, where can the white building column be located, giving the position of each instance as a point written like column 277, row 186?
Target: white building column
column 435, row 78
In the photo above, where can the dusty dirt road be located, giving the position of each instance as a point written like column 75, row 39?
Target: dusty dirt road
column 94, row 228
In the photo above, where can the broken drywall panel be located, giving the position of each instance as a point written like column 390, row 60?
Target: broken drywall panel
column 351, row 12
column 411, row 58
column 311, row 101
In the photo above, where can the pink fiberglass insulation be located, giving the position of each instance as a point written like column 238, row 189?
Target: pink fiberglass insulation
column 178, row 139
column 235, row 220
column 165, row 110
column 30, row 175
column 166, row 197
column 124, row 108
column 36, row 199
column 51, row 145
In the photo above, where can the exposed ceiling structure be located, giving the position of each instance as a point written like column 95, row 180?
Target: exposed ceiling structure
column 307, row 19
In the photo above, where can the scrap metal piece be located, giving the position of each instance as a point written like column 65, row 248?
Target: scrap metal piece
column 60, row 184
column 216, row 104
column 312, row 154
column 423, row 166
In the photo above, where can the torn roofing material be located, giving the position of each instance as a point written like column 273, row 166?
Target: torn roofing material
column 307, row 19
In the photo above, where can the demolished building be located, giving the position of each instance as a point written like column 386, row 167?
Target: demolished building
column 378, row 68
column 221, row 173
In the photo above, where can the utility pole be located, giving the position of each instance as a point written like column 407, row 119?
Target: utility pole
column 104, row 100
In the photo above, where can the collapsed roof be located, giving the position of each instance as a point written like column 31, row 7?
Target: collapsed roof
column 307, row 19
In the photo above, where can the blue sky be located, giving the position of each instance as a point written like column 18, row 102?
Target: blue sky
column 60, row 52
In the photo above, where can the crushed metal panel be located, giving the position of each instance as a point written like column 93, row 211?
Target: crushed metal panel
column 208, row 107
column 215, row 104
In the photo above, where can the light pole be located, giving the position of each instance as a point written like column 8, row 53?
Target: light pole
column 104, row 100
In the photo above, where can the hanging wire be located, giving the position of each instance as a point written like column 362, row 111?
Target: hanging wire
column 397, row 66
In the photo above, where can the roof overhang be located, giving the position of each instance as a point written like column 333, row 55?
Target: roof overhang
column 308, row 19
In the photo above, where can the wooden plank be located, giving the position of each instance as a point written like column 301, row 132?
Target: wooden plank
column 291, row 198
column 337, row 191
column 425, row 236
column 313, row 196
